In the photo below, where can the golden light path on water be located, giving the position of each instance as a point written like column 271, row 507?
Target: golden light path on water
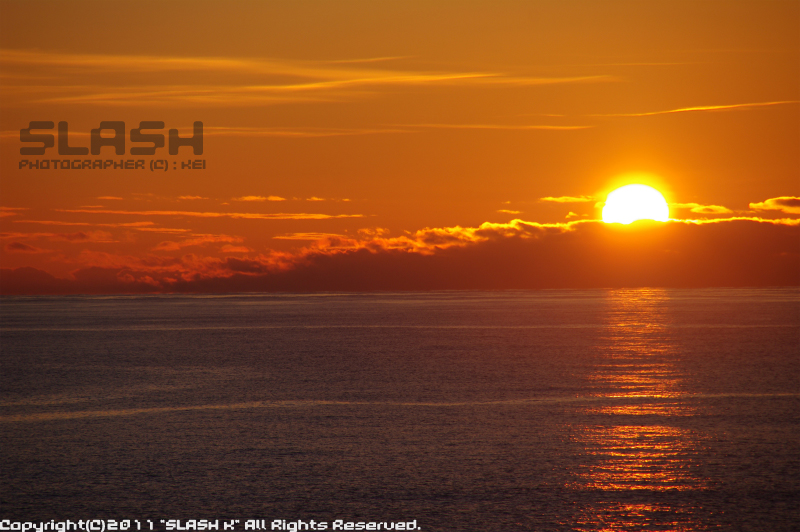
column 622, row 452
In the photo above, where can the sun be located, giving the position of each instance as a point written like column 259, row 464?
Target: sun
column 635, row 202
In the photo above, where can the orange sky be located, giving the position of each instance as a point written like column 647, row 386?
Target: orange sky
column 407, row 134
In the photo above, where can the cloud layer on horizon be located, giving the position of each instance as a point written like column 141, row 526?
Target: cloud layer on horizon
column 515, row 255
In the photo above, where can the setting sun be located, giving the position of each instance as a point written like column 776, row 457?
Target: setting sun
column 635, row 202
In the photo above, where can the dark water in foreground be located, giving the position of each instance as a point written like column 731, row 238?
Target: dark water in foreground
column 467, row 411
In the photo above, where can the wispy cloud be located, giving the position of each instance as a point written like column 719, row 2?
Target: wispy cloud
column 295, row 132
column 317, row 198
column 19, row 247
column 787, row 204
column 259, row 198
column 790, row 222
column 191, row 198
column 277, row 81
column 109, row 197
column 501, row 127
column 242, row 215
column 270, row 94
column 228, row 248
column 568, row 199
column 369, row 59
column 313, row 70
column 11, row 211
column 506, row 211
column 308, row 236
column 197, row 240
column 730, row 107
column 80, row 236
column 702, row 209
column 138, row 225
column 276, row 67
column 165, row 230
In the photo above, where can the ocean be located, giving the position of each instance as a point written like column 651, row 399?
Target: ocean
column 638, row 409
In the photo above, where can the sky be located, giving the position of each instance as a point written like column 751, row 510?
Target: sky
column 414, row 145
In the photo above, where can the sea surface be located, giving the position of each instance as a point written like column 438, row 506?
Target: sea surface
column 649, row 409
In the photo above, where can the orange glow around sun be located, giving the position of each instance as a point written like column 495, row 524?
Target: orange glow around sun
column 635, row 202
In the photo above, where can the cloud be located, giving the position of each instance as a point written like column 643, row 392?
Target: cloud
column 58, row 222
column 295, row 132
column 166, row 230
column 235, row 249
column 52, row 222
column 11, row 211
column 731, row 107
column 279, row 81
column 702, row 209
column 109, row 197
column 372, row 232
column 259, row 198
column 19, row 247
column 322, row 90
column 340, row 71
column 787, row 204
column 792, row 222
column 370, row 59
column 238, row 215
column 308, row 236
column 568, row 199
column 191, row 197
column 196, row 240
column 513, row 255
column 504, row 127
column 317, row 198
column 506, row 211
column 80, row 236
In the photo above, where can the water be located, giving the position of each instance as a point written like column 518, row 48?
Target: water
column 465, row 411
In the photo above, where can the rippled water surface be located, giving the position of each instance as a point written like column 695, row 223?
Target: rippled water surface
column 467, row 411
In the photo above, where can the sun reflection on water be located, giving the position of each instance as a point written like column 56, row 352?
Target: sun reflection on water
column 637, row 447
